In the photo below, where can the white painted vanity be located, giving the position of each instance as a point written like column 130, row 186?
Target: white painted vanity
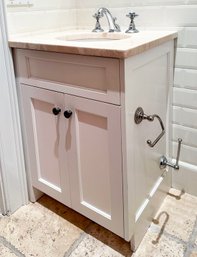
column 82, row 145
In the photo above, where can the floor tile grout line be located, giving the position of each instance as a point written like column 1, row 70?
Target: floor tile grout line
column 168, row 235
column 11, row 247
column 191, row 240
column 190, row 244
column 77, row 241
column 75, row 244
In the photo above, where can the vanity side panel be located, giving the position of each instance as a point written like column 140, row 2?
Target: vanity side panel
column 148, row 83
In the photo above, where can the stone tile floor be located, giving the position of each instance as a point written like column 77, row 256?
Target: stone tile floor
column 49, row 229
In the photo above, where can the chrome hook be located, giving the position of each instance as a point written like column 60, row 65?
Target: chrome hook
column 140, row 115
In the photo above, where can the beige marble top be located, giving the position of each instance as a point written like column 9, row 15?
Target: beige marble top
column 115, row 45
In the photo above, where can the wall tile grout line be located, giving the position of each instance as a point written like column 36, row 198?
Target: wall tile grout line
column 11, row 247
column 193, row 109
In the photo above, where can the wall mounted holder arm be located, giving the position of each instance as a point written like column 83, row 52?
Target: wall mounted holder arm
column 164, row 162
column 140, row 115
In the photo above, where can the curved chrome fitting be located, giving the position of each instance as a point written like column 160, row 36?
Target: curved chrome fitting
column 140, row 115
column 132, row 28
column 113, row 26
column 164, row 162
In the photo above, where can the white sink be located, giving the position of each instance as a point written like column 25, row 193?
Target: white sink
column 93, row 37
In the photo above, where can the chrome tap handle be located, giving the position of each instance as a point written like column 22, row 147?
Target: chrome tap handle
column 132, row 15
column 140, row 115
column 97, row 28
column 132, row 28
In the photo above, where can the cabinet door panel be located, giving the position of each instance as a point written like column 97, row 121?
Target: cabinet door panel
column 45, row 146
column 96, row 170
column 47, row 141
column 95, row 173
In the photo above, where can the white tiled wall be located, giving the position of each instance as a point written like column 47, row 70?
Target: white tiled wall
column 42, row 15
column 178, row 15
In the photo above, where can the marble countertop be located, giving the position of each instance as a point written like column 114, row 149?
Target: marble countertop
column 108, row 44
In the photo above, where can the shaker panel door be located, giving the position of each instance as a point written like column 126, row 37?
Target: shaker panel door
column 95, row 162
column 48, row 169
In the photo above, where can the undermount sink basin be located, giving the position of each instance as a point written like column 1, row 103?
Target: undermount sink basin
column 93, row 37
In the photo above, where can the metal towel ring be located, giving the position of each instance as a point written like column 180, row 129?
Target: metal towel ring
column 140, row 115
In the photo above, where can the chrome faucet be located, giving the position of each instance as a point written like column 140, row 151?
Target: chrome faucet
column 113, row 26
column 132, row 28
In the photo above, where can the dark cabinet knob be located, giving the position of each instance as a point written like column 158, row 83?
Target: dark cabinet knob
column 56, row 110
column 67, row 114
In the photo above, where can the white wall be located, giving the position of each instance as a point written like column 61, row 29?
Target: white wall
column 42, row 15
column 178, row 15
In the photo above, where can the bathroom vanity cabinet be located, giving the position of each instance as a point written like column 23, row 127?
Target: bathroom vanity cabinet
column 82, row 145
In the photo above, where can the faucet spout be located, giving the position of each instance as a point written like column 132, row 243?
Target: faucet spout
column 113, row 26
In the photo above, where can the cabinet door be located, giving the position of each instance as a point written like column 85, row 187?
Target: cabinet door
column 46, row 157
column 96, row 161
